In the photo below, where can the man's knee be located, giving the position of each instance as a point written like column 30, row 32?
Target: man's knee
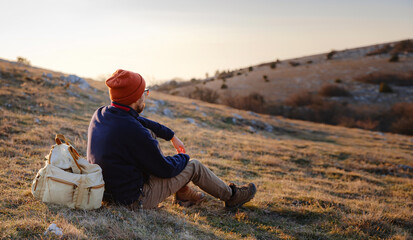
column 195, row 163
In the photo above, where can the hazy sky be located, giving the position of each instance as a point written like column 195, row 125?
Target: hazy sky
column 187, row 38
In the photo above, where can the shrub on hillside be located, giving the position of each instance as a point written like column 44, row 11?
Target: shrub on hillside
column 394, row 58
column 294, row 64
column 225, row 75
column 402, row 114
column 400, row 47
column 204, row 94
column 403, row 46
column 302, row 98
column 24, row 61
column 273, row 65
column 250, row 69
column 385, row 88
column 224, row 86
column 331, row 90
column 265, row 78
column 403, row 126
column 253, row 102
column 331, row 54
column 401, row 79
column 338, row 80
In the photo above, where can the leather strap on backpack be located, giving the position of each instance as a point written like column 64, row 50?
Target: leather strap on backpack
column 75, row 156
column 59, row 137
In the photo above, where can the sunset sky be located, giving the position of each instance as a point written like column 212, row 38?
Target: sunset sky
column 167, row 39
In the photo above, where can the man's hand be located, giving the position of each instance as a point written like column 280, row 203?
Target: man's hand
column 178, row 144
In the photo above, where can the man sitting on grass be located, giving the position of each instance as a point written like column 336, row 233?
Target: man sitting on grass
column 136, row 172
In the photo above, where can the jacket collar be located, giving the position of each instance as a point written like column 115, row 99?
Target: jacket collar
column 125, row 108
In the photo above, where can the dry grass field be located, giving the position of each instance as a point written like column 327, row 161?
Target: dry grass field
column 357, row 87
column 314, row 181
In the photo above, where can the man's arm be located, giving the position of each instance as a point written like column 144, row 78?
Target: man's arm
column 159, row 129
column 146, row 151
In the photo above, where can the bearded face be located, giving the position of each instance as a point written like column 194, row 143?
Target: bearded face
column 140, row 107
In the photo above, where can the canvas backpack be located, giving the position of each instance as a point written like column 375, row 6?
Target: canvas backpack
column 69, row 179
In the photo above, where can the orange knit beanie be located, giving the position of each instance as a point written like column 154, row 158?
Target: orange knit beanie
column 125, row 87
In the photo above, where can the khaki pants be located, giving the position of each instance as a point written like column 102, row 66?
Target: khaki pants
column 158, row 189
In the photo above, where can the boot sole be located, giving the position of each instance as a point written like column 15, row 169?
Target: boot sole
column 243, row 202
column 186, row 203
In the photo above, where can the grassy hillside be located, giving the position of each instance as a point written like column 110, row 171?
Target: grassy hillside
column 369, row 87
column 277, row 81
column 314, row 181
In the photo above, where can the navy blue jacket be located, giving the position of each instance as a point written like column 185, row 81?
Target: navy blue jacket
column 121, row 144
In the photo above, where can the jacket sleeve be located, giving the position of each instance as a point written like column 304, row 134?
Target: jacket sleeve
column 159, row 129
column 149, row 156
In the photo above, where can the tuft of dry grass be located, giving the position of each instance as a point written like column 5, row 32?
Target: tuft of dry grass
column 314, row 181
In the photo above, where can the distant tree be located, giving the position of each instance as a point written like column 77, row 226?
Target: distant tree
column 206, row 75
column 250, row 69
column 385, row 88
column 24, row 61
column 331, row 54
column 204, row 94
column 273, row 65
column 394, row 58
column 294, row 64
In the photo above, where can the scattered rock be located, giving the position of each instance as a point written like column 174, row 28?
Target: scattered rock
column 48, row 75
column 36, row 120
column 251, row 129
column 237, row 116
column 167, row 112
column 253, row 114
column 204, row 115
column 72, row 93
column 53, row 228
column 150, row 101
column 190, row 120
column 161, row 102
column 77, row 80
column 151, row 109
column 405, row 167
column 268, row 127
column 202, row 124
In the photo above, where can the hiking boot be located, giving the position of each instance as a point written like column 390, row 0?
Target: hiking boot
column 187, row 197
column 240, row 195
